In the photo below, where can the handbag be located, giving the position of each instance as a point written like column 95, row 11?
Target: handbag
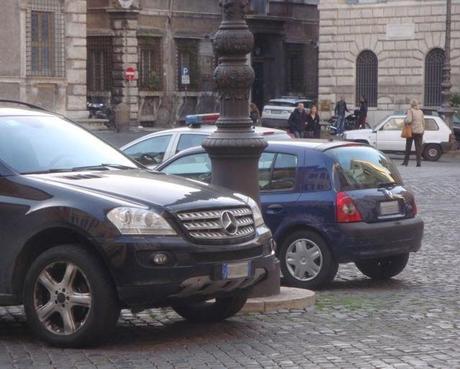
column 406, row 131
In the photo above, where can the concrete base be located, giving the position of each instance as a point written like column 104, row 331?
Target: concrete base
column 289, row 298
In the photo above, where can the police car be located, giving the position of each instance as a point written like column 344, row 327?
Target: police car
column 154, row 148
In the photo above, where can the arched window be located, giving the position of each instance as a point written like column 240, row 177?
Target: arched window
column 367, row 77
column 433, row 77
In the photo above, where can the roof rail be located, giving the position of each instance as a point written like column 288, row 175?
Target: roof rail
column 24, row 104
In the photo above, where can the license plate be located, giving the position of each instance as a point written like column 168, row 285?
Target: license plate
column 276, row 111
column 236, row 270
column 389, row 208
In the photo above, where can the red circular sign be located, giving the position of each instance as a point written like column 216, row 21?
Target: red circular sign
column 130, row 74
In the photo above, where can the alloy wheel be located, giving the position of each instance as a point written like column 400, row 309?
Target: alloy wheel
column 62, row 298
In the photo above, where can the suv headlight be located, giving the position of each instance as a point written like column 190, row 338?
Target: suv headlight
column 256, row 213
column 131, row 221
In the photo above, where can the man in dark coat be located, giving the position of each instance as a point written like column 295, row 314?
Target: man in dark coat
column 297, row 121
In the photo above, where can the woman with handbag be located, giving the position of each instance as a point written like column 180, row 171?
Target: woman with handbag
column 414, row 127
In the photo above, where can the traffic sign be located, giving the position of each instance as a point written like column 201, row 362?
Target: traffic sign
column 185, row 76
column 130, row 74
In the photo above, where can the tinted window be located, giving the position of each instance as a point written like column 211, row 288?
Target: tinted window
column 361, row 167
column 37, row 144
column 188, row 140
column 196, row 166
column 431, row 125
column 394, row 124
column 150, row 151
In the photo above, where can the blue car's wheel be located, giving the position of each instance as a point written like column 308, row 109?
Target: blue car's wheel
column 306, row 261
column 383, row 268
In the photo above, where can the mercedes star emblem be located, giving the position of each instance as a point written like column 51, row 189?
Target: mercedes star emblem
column 229, row 223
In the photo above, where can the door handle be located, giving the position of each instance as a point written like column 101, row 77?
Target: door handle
column 275, row 209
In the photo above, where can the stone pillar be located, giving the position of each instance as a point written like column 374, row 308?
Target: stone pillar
column 75, row 59
column 124, row 24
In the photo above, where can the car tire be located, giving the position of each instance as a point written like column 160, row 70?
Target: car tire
column 211, row 311
column 306, row 261
column 69, row 298
column 383, row 268
column 432, row 152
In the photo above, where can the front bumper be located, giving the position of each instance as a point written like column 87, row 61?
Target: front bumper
column 195, row 272
column 371, row 240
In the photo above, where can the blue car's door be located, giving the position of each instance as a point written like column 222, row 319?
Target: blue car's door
column 279, row 184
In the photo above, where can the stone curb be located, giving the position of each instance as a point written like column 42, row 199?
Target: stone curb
column 288, row 299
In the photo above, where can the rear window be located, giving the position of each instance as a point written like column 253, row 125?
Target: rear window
column 359, row 167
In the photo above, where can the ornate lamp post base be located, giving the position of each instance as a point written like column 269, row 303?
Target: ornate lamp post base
column 235, row 148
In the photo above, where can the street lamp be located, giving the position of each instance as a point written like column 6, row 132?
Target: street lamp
column 446, row 108
column 235, row 148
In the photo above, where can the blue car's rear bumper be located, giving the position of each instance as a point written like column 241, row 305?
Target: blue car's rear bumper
column 357, row 241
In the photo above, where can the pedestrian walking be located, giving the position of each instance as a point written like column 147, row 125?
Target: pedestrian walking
column 414, row 120
column 313, row 126
column 297, row 121
column 254, row 114
column 340, row 110
column 362, row 113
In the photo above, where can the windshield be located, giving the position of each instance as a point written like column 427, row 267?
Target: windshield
column 33, row 144
column 361, row 167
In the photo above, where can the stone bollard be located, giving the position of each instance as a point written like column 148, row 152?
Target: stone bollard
column 121, row 112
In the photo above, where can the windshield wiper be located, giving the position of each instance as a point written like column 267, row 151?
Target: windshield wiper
column 103, row 166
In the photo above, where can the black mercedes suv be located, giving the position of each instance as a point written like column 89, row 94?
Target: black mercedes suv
column 85, row 232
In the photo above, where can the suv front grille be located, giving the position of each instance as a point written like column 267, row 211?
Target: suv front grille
column 218, row 225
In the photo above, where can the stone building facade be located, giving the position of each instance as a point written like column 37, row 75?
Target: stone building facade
column 59, row 53
column 387, row 50
column 169, row 43
column 43, row 54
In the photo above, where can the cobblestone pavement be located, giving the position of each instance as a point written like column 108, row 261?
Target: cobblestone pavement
column 412, row 321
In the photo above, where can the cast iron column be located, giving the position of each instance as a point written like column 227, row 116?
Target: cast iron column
column 235, row 148
column 446, row 107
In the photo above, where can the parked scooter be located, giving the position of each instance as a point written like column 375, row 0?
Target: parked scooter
column 98, row 109
column 351, row 122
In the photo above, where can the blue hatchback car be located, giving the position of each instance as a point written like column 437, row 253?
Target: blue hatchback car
column 327, row 203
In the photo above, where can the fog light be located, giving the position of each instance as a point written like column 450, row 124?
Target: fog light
column 160, row 258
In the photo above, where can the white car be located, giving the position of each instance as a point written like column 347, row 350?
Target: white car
column 386, row 136
column 154, row 148
column 277, row 112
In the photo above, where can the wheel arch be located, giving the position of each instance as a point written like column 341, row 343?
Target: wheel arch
column 45, row 240
column 282, row 236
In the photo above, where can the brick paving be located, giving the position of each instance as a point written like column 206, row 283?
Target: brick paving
column 412, row 321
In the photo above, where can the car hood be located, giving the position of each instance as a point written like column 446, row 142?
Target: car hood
column 145, row 187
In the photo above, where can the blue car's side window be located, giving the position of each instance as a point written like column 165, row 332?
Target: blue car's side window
column 284, row 172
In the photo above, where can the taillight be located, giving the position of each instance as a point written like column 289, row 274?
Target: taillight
column 346, row 211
